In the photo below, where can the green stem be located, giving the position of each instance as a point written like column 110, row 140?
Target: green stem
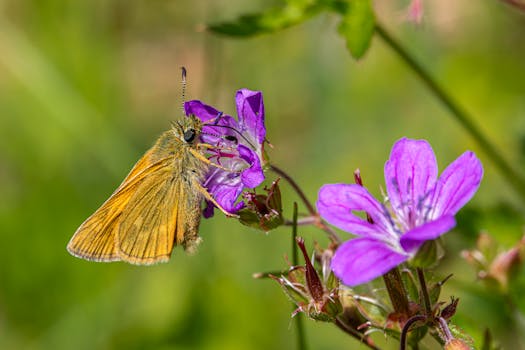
column 466, row 120
column 295, row 251
column 424, row 290
column 301, row 339
column 396, row 291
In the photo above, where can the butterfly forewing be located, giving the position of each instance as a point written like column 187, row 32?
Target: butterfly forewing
column 95, row 238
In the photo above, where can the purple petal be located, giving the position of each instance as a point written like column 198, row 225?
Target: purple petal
column 225, row 187
column 214, row 133
column 250, row 109
column 337, row 201
column 361, row 260
column 209, row 210
column 200, row 110
column 413, row 239
column 253, row 176
column 410, row 174
column 457, row 184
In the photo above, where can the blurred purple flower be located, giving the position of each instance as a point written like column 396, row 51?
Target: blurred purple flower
column 421, row 208
column 415, row 11
column 239, row 148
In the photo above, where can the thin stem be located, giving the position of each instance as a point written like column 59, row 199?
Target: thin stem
column 296, row 188
column 317, row 221
column 308, row 220
column 396, row 291
column 295, row 251
column 444, row 328
column 269, row 274
column 424, row 290
column 406, row 329
column 354, row 333
column 331, row 233
column 299, row 326
column 466, row 120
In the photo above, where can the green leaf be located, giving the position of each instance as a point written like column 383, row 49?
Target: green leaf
column 357, row 26
column 293, row 13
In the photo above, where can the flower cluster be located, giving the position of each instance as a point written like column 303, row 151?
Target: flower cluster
column 419, row 208
column 238, row 148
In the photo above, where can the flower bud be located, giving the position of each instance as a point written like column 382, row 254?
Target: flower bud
column 263, row 211
column 449, row 310
column 496, row 269
column 315, row 295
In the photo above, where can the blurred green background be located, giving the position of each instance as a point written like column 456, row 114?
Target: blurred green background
column 87, row 86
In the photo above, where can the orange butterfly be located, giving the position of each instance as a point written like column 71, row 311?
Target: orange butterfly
column 157, row 206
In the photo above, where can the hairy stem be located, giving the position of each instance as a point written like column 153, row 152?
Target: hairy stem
column 316, row 219
column 464, row 119
column 396, row 291
column 354, row 333
column 296, row 188
column 444, row 328
column 424, row 290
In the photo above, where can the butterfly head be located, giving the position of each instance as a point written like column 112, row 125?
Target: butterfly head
column 188, row 129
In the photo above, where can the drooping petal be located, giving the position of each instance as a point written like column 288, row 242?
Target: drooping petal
column 361, row 260
column 413, row 239
column 457, row 184
column 225, row 187
column 410, row 175
column 336, row 202
column 250, row 109
column 200, row 110
column 252, row 176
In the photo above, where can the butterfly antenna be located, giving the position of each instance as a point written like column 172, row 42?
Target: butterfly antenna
column 183, row 83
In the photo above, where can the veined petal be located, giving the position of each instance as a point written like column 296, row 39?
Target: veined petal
column 252, row 176
column 200, row 110
column 250, row 109
column 413, row 239
column 361, row 260
column 457, row 184
column 226, row 188
column 410, row 174
column 214, row 133
column 336, row 202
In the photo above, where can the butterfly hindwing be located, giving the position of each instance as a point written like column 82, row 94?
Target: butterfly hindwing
column 145, row 233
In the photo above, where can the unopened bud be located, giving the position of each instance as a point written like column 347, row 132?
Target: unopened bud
column 312, row 278
column 449, row 310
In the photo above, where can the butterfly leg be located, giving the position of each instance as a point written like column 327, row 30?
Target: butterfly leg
column 209, row 162
column 209, row 197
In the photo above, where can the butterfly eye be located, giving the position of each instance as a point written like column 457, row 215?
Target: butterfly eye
column 189, row 135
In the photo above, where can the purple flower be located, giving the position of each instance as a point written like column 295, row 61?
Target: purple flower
column 239, row 148
column 421, row 208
